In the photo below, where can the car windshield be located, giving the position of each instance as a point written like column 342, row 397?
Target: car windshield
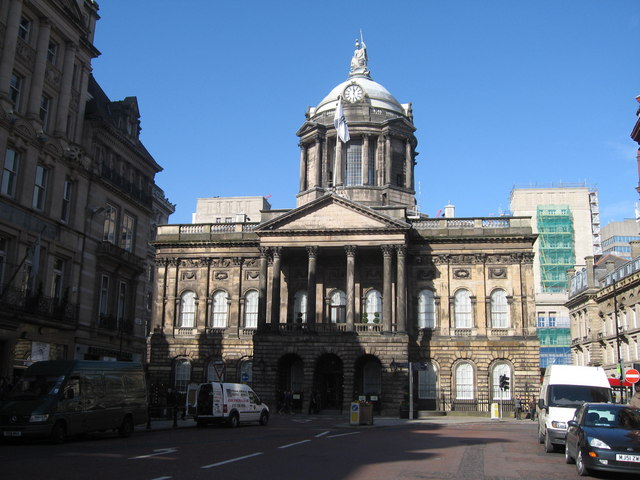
column 576, row 395
column 34, row 386
column 627, row 418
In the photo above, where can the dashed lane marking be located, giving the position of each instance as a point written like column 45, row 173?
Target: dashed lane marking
column 343, row 434
column 157, row 451
column 232, row 460
column 322, row 434
column 294, row 444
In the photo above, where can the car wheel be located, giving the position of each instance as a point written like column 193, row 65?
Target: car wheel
column 548, row 446
column 264, row 418
column 567, row 457
column 540, row 436
column 58, row 433
column 580, row 466
column 126, row 427
column 234, row 420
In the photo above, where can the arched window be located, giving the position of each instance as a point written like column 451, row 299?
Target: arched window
column 500, row 369
column 372, row 378
column 187, row 310
column 464, row 381
column 499, row 309
column 426, row 309
column 462, row 309
column 373, row 306
column 338, row 306
column 300, row 307
column 251, row 309
column 428, row 382
column 354, row 163
column 181, row 374
column 220, row 309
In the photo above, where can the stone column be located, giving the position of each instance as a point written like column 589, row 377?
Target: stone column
column 9, row 47
column 275, row 288
column 337, row 164
column 379, row 177
column 351, row 283
column 401, row 294
column 387, row 251
column 365, row 160
column 317, row 160
column 303, row 167
column 408, row 165
column 325, row 163
column 37, row 80
column 235, row 320
column 387, row 159
column 262, row 289
column 65, row 91
column 312, row 252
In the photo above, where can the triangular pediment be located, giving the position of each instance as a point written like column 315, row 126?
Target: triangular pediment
column 331, row 213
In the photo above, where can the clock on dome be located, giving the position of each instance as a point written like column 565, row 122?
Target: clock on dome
column 353, row 93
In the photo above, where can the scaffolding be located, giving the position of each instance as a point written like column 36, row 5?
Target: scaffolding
column 555, row 230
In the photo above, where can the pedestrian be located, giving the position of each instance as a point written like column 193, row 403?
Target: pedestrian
column 288, row 398
column 532, row 408
column 518, row 405
column 313, row 403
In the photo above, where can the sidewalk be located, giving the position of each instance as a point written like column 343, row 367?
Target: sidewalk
column 342, row 421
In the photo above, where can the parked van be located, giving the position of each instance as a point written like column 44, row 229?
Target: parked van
column 68, row 397
column 230, row 403
column 564, row 388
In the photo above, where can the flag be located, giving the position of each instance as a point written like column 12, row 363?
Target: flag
column 341, row 123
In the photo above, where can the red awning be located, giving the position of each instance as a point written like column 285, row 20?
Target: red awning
column 615, row 382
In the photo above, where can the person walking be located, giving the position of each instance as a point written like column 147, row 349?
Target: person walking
column 518, row 405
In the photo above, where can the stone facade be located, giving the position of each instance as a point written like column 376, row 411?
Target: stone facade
column 352, row 289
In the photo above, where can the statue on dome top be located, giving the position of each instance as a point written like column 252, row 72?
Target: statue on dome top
column 359, row 60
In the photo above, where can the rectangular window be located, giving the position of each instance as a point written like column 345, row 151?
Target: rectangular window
column 3, row 260
column 15, row 90
column 40, row 188
column 10, row 172
column 57, row 280
column 122, row 302
column 103, row 306
column 127, row 234
column 52, row 52
column 109, row 230
column 541, row 320
column 354, row 164
column 24, row 29
column 45, row 103
column 552, row 319
column 66, row 201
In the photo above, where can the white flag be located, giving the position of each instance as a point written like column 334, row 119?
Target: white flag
column 341, row 123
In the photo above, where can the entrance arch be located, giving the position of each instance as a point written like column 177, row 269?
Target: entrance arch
column 368, row 380
column 290, row 382
column 328, row 382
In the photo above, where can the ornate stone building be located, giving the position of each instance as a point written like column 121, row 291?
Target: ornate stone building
column 341, row 294
column 78, row 200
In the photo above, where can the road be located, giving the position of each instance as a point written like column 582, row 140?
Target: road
column 298, row 447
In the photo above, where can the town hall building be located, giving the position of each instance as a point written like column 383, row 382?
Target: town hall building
column 344, row 295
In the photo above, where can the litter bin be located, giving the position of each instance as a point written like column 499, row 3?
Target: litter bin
column 366, row 414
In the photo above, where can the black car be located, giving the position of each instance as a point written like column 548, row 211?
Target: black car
column 604, row 436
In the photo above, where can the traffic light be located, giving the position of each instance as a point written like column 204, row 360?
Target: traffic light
column 504, row 382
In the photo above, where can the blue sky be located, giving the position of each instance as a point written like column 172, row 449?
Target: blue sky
column 505, row 93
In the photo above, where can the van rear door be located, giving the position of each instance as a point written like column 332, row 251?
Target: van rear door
column 192, row 398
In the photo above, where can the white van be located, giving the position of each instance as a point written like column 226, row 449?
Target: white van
column 230, row 403
column 564, row 388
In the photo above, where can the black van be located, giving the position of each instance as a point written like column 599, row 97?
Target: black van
column 68, row 397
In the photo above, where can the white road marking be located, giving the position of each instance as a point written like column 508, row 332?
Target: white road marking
column 158, row 451
column 343, row 434
column 322, row 434
column 293, row 444
column 232, row 460
column 161, row 478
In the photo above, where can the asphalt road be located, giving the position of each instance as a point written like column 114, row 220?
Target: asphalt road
column 298, row 447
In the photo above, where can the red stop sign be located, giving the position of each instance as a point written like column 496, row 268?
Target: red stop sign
column 632, row 375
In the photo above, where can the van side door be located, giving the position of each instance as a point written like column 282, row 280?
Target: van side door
column 69, row 406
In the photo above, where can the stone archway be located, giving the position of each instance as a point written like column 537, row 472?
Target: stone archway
column 368, row 380
column 328, row 382
column 290, row 382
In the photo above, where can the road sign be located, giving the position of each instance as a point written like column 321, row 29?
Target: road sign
column 632, row 375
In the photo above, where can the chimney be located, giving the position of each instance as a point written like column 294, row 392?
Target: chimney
column 590, row 274
column 449, row 211
column 610, row 266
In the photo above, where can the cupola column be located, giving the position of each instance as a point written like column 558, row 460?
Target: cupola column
column 303, row 167
column 380, row 162
column 365, row 160
column 408, row 165
column 351, row 284
column 387, row 251
column 317, row 181
column 387, row 160
column 325, row 163
column 312, row 252
column 337, row 167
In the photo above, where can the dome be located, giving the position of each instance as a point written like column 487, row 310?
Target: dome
column 376, row 93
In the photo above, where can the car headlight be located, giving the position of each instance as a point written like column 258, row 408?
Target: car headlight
column 597, row 443
column 39, row 418
column 561, row 425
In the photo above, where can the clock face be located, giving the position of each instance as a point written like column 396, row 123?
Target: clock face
column 353, row 93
